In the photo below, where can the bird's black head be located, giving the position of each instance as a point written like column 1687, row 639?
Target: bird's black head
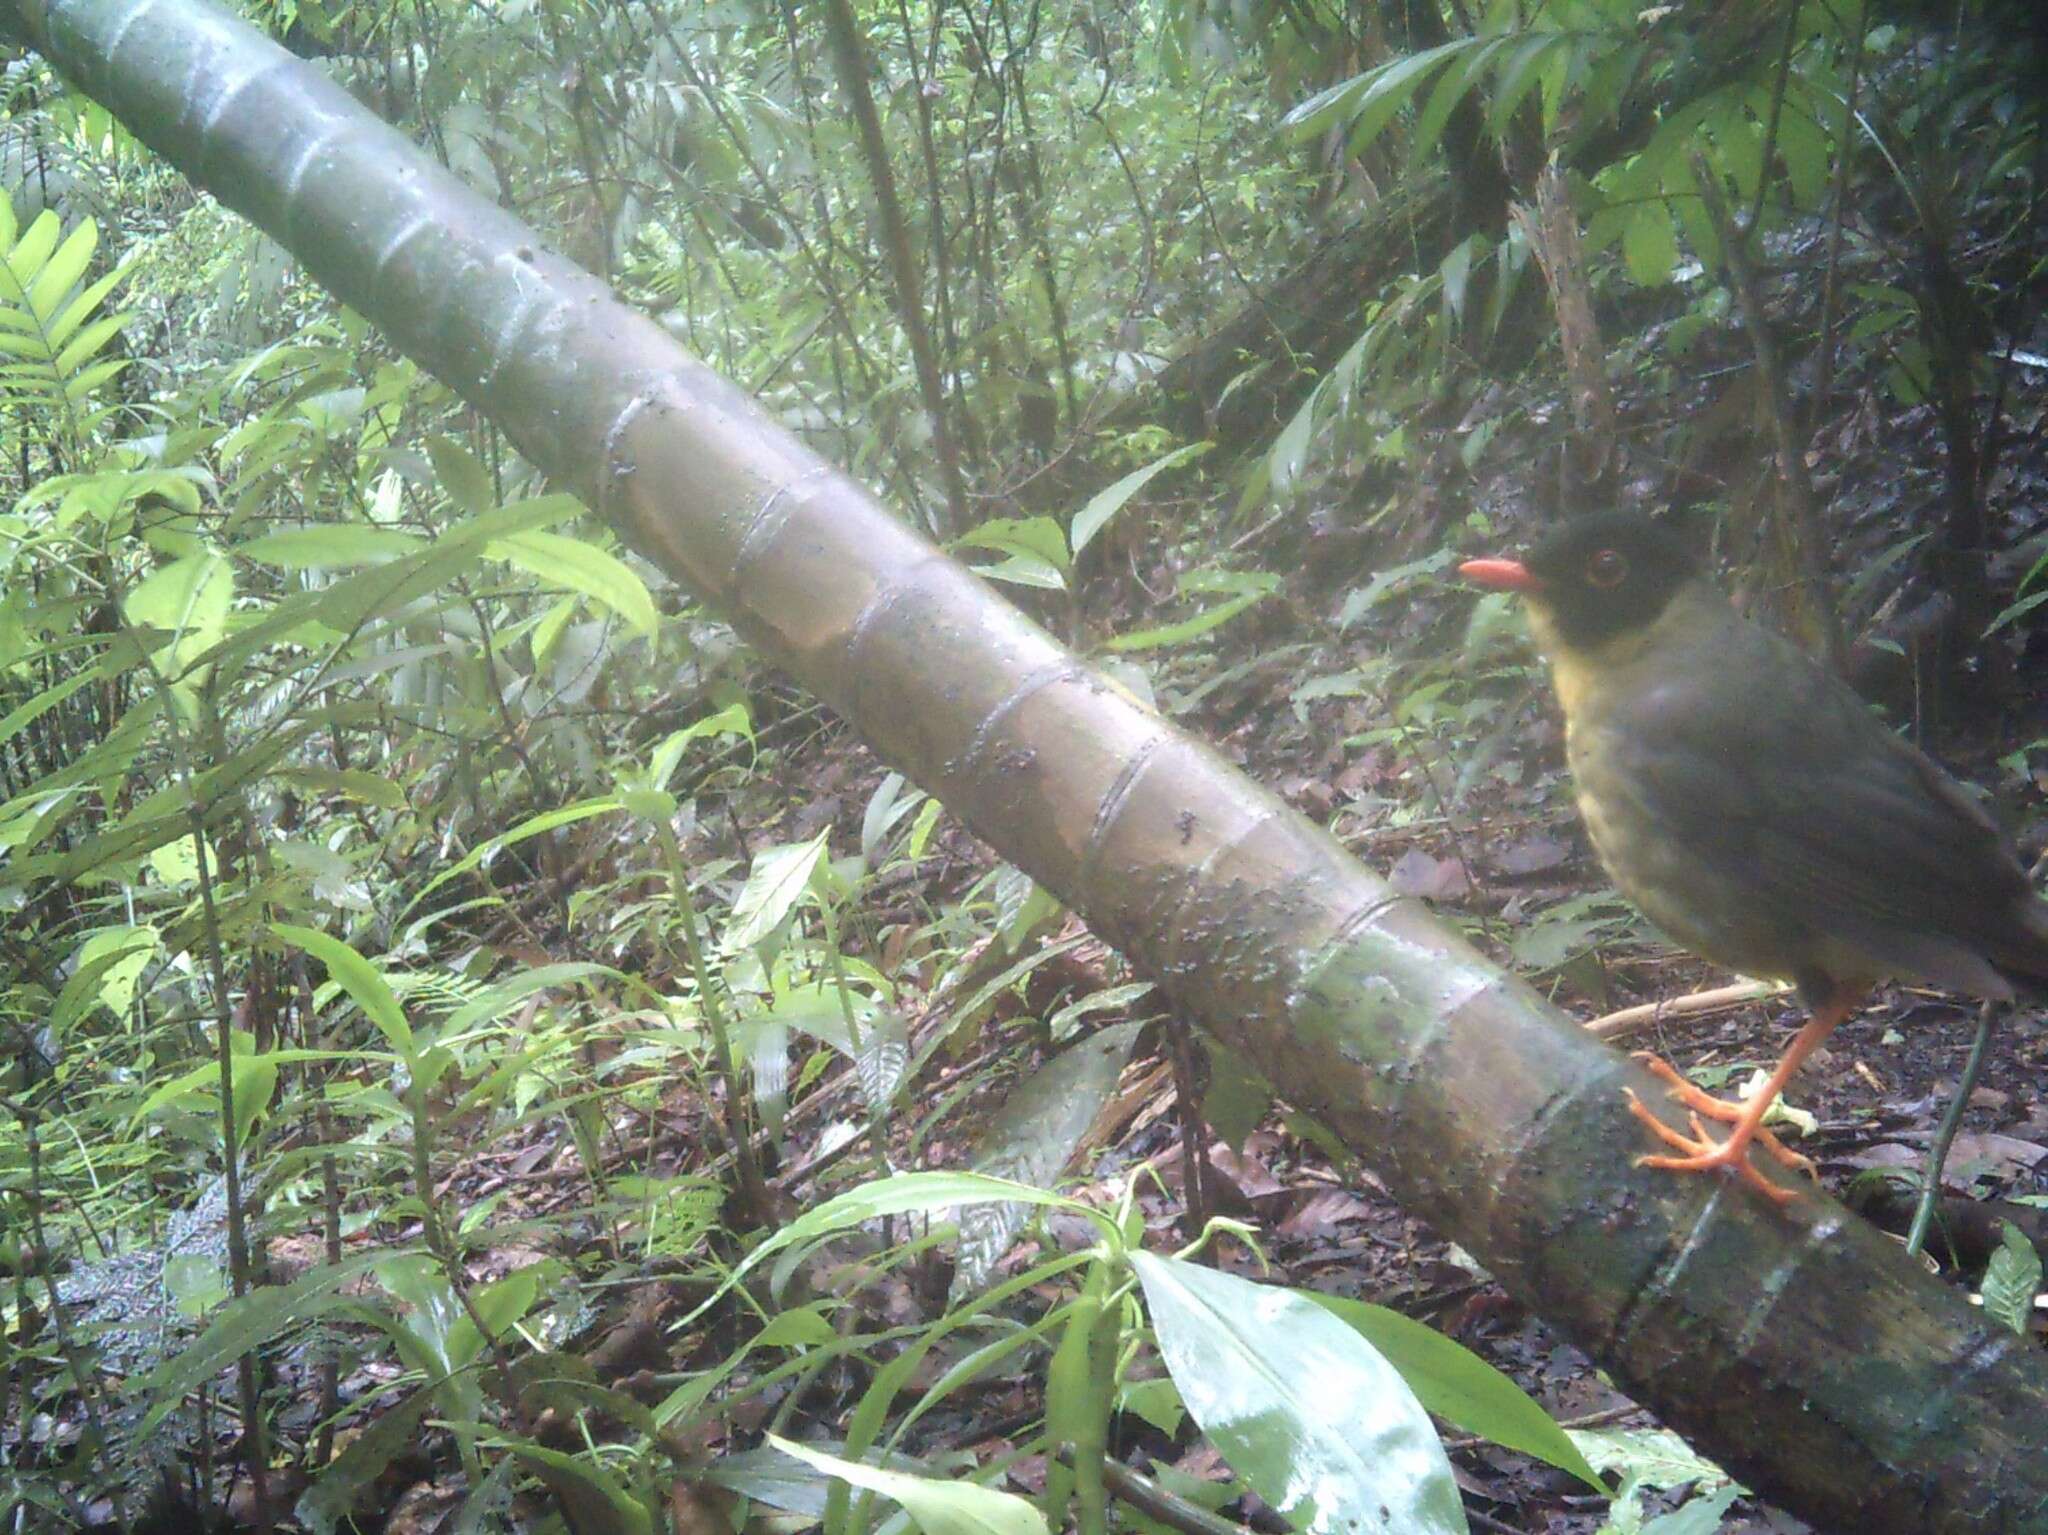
column 1594, row 577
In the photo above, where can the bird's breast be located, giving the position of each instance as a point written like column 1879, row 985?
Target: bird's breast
column 1691, row 901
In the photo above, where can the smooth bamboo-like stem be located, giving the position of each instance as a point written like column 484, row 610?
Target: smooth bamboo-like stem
column 1798, row 1347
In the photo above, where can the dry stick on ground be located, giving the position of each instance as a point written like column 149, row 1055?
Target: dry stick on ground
column 1797, row 1347
column 1629, row 1020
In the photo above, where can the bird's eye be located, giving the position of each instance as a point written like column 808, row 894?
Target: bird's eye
column 1608, row 568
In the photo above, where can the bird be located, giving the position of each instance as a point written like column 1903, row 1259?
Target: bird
column 1758, row 811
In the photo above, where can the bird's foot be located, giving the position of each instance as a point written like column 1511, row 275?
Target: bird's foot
column 1704, row 1154
column 1701, row 1101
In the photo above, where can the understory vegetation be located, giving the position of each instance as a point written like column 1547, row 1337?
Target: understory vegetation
column 483, row 1052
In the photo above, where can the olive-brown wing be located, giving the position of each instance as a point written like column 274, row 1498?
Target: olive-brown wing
column 1791, row 790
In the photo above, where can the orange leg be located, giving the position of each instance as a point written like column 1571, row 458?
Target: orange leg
column 1700, row 1101
column 1702, row 1153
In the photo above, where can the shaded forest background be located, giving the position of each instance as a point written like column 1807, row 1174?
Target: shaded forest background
column 538, row 951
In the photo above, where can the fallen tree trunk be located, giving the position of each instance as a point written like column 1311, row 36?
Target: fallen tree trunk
column 1799, row 1347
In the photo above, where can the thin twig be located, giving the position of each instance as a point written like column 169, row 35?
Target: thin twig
column 1945, row 1133
column 1717, row 999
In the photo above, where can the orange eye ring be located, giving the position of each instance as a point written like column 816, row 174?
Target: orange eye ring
column 1607, row 569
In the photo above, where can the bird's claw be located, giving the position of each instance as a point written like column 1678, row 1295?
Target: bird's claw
column 1702, row 1153
column 1702, row 1102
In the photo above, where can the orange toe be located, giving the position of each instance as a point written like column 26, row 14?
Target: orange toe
column 1702, row 1102
column 1701, row 1153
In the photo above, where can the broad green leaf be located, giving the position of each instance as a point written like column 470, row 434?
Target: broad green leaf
column 503, row 996
column 1452, row 87
column 594, row 1501
column 577, row 566
column 189, row 599
column 66, row 265
column 356, row 600
column 1807, row 149
column 777, row 881
column 1649, row 244
column 175, row 861
column 204, row 1078
column 1303, row 1408
column 355, row 975
column 1105, row 504
column 466, row 481
column 34, row 247
column 1655, row 1457
column 1032, row 1136
column 105, row 970
column 732, row 720
column 331, row 546
column 2011, row 1281
column 939, row 1507
column 60, row 331
column 1367, row 101
column 1524, row 69
column 1460, row 1387
column 255, row 1082
column 500, row 1304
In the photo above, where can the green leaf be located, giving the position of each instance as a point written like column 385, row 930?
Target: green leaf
column 355, row 600
column 204, row 1078
column 1452, row 87
column 1036, row 548
column 500, row 1304
column 502, row 996
column 1520, row 74
column 1252, row 586
column 1649, row 244
column 466, row 482
column 535, row 826
column 331, row 546
column 359, row 978
column 189, row 599
column 1303, row 1408
column 105, row 971
column 732, row 720
column 593, row 1500
column 346, row 1479
column 2016, row 611
column 1105, row 504
column 255, row 1081
column 348, row 783
column 1460, row 1387
column 573, row 565
column 778, row 880
column 897, row 1194
column 18, row 719
column 65, row 267
column 1369, row 101
column 1654, row 1457
column 939, row 1507
column 1807, row 149
column 2011, row 1281
column 244, row 1325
